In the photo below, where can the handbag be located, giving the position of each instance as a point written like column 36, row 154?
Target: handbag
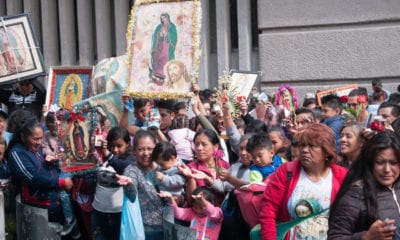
column 131, row 220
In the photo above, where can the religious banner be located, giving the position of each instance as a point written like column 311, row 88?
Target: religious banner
column 76, row 130
column 163, row 48
column 68, row 85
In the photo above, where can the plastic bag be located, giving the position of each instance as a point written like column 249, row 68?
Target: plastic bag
column 131, row 220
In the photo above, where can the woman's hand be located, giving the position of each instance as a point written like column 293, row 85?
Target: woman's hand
column 185, row 170
column 159, row 176
column 104, row 148
column 124, row 180
column 167, row 196
column 200, row 175
column 224, row 174
column 381, row 230
column 68, row 184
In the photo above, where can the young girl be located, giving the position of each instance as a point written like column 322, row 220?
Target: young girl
column 182, row 138
column 168, row 175
column 204, row 216
column 107, row 203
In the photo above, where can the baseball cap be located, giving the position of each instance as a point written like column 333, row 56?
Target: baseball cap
column 3, row 113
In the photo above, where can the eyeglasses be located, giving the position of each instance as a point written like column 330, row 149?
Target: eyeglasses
column 141, row 150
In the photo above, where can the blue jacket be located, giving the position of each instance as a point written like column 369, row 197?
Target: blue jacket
column 38, row 180
column 336, row 124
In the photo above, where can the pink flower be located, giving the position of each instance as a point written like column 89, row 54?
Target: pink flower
column 217, row 154
column 361, row 99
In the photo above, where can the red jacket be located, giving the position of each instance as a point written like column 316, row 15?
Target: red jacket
column 276, row 195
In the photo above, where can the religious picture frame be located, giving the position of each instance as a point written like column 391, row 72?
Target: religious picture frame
column 20, row 57
column 339, row 91
column 163, row 48
column 244, row 81
column 77, row 131
column 68, row 85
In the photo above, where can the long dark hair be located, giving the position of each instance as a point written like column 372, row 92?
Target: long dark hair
column 23, row 129
column 211, row 135
column 361, row 172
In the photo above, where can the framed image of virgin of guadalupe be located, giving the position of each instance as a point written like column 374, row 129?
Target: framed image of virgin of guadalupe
column 76, row 132
column 163, row 48
column 20, row 55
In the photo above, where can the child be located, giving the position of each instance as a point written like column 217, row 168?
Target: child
column 53, row 156
column 107, row 202
column 264, row 163
column 331, row 115
column 168, row 176
column 182, row 138
column 278, row 138
column 204, row 216
column 5, row 172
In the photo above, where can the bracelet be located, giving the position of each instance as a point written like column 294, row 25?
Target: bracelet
column 227, row 117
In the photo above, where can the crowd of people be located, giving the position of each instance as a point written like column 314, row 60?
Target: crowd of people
column 328, row 169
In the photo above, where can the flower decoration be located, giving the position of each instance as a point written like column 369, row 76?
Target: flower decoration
column 377, row 126
column 344, row 99
column 240, row 99
column 217, row 154
column 227, row 94
column 289, row 101
column 351, row 114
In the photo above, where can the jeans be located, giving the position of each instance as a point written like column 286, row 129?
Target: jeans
column 66, row 200
column 105, row 225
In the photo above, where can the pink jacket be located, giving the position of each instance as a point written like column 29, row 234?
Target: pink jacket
column 208, row 225
column 280, row 188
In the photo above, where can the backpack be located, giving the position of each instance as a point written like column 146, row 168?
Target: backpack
column 250, row 197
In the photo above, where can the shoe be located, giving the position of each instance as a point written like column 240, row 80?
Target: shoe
column 75, row 233
column 67, row 228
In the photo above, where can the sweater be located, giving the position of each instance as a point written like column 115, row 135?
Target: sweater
column 144, row 188
column 208, row 225
column 39, row 181
column 279, row 190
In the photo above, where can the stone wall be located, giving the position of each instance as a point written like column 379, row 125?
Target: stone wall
column 321, row 44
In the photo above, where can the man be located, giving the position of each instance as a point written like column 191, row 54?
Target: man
column 358, row 102
column 178, row 79
column 376, row 88
column 166, row 111
column 389, row 111
column 28, row 95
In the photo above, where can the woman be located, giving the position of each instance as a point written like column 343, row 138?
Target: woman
column 140, row 181
column 233, row 225
column 367, row 203
column 39, row 181
column 205, row 171
column 308, row 184
column 163, row 44
column 351, row 142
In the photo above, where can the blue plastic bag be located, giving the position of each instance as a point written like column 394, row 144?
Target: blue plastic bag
column 131, row 220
